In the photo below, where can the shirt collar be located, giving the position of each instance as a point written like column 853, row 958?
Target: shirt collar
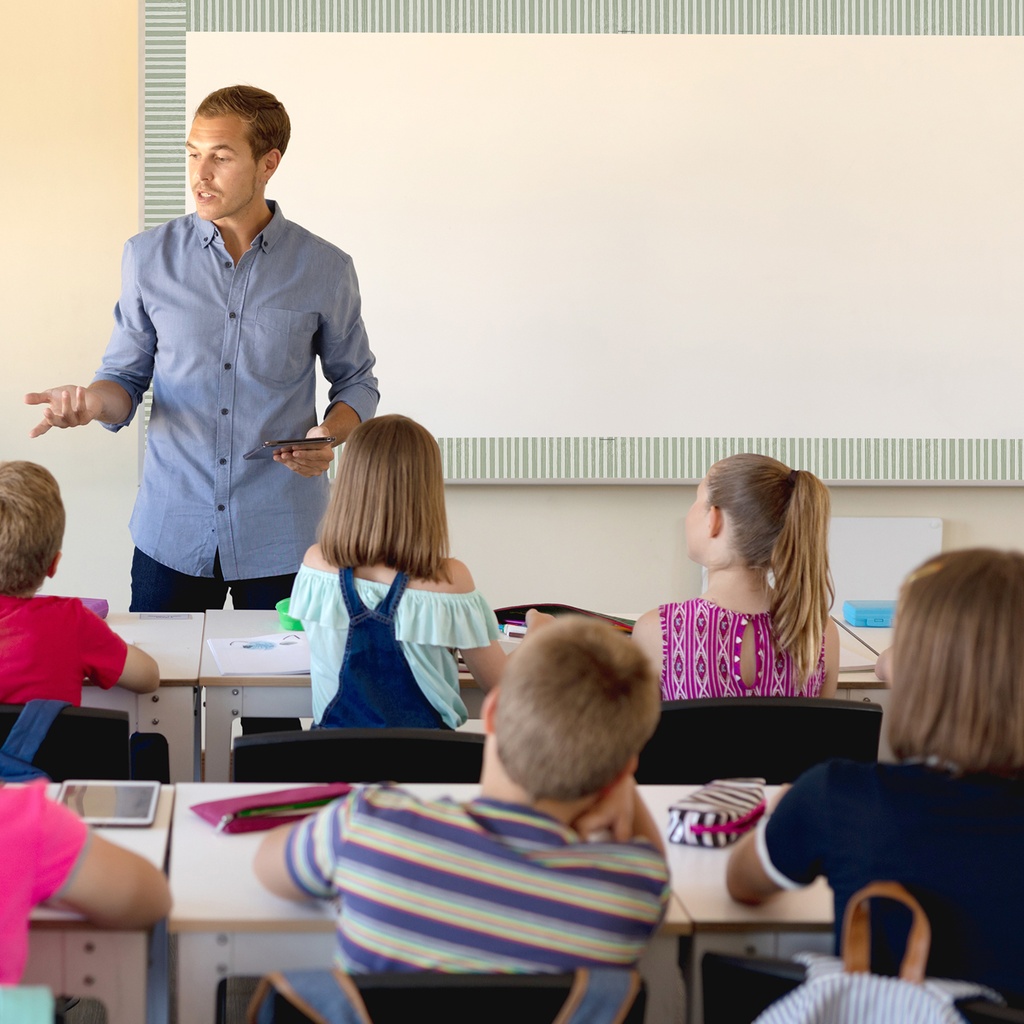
column 266, row 239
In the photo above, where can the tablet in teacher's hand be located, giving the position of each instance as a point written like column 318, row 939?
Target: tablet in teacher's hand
column 268, row 449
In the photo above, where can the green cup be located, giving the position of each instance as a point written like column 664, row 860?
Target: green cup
column 287, row 622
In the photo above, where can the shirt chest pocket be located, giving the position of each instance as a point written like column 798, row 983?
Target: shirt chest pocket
column 282, row 349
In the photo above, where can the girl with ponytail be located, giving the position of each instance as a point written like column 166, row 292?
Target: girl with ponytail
column 762, row 627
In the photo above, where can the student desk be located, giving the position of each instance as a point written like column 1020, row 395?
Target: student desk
column 788, row 923
column 175, row 641
column 228, row 698
column 74, row 958
column 224, row 922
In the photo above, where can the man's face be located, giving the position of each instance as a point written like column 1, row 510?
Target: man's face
column 227, row 182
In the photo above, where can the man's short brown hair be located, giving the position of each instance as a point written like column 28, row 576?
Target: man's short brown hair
column 266, row 121
column 577, row 701
column 31, row 526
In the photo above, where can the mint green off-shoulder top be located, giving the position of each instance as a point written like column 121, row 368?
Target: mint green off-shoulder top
column 427, row 625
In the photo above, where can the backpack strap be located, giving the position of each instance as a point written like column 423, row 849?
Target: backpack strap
column 324, row 996
column 602, row 995
column 26, row 735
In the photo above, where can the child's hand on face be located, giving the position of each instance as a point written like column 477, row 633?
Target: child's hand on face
column 536, row 620
column 613, row 816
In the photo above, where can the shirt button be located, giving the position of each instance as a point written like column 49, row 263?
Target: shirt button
column 227, row 263
column 227, row 366
column 220, row 508
column 223, row 462
column 223, row 412
column 231, row 315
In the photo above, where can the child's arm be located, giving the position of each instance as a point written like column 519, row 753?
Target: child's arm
column 271, row 866
column 115, row 888
column 647, row 635
column 832, row 648
column 883, row 667
column 745, row 878
column 486, row 663
column 140, row 674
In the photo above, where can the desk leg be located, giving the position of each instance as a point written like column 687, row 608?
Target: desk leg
column 204, row 958
column 169, row 711
column 223, row 706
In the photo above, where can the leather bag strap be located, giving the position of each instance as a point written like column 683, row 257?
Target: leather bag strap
column 856, row 942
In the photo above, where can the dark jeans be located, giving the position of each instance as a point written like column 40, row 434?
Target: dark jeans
column 155, row 588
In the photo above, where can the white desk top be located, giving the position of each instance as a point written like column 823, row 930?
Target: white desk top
column 150, row 842
column 174, row 642
column 229, row 622
column 698, row 881
column 215, row 889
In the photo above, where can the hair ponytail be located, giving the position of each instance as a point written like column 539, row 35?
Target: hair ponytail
column 780, row 520
column 803, row 591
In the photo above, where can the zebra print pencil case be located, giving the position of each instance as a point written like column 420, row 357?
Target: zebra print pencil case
column 718, row 813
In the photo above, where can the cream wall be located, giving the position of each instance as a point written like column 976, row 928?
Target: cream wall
column 70, row 187
column 70, row 73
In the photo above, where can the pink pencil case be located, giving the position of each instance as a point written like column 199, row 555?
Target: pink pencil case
column 260, row 811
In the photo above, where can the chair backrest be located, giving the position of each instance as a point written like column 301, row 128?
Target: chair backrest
column 359, row 755
column 776, row 738
column 82, row 743
column 395, row 998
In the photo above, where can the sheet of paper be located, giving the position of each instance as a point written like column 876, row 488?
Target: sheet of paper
column 274, row 654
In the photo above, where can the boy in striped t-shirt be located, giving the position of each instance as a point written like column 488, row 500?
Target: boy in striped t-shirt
column 507, row 882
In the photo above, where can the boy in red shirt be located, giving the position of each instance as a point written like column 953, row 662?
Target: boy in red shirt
column 49, row 645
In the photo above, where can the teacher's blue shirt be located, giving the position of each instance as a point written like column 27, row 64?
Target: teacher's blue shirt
column 231, row 353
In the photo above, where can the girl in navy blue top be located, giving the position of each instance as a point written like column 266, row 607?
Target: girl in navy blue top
column 947, row 821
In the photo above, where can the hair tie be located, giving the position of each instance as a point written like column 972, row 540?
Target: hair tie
column 792, row 477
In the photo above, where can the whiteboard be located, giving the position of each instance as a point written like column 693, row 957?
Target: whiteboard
column 648, row 236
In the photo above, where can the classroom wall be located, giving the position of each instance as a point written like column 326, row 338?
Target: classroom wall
column 71, row 197
column 70, row 72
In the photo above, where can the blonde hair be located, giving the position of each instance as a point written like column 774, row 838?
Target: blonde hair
column 267, row 125
column 778, row 521
column 31, row 526
column 958, row 662
column 577, row 701
column 387, row 505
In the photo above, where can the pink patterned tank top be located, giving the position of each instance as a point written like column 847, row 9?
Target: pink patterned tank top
column 701, row 646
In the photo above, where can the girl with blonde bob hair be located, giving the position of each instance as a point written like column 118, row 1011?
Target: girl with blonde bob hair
column 762, row 627
column 948, row 820
column 380, row 599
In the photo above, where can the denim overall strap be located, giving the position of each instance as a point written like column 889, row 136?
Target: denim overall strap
column 376, row 686
column 27, row 733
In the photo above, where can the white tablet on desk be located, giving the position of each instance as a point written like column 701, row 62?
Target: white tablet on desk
column 102, row 802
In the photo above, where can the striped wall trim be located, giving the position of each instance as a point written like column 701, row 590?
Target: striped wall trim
column 847, row 459
column 167, row 21
column 688, row 17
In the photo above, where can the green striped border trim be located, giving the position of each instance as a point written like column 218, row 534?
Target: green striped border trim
column 650, row 459
column 167, row 21
column 589, row 459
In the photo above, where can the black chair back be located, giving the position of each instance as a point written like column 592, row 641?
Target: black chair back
column 776, row 738
column 359, row 755
column 396, row 998
column 82, row 743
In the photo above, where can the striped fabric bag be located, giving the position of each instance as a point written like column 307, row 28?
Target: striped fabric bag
column 718, row 813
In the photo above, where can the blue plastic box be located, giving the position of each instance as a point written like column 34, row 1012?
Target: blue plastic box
column 869, row 613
